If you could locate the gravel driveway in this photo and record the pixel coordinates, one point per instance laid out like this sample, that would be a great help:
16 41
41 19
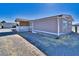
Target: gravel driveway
15 45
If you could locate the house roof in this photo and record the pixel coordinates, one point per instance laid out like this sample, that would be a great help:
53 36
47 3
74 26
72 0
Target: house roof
68 17
20 19
77 24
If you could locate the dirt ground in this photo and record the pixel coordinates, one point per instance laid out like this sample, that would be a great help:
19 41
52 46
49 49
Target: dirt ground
15 45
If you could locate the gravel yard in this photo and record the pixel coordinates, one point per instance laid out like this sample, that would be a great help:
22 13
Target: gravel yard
66 45
15 45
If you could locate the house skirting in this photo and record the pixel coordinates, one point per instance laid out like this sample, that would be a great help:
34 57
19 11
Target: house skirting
38 31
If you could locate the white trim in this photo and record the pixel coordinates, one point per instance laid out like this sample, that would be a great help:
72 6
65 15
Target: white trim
35 31
58 26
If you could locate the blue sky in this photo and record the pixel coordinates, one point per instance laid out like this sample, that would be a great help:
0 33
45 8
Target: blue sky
9 11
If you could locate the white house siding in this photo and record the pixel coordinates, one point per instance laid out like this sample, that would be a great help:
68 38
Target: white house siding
5 30
69 26
48 25
77 29
52 25
73 28
22 28
0 26
9 25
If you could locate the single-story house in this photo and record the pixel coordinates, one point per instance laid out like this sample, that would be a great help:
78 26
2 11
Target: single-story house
75 27
8 25
59 24
0 25
22 24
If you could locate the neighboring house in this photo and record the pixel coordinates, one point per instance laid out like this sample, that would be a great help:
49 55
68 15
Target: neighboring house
22 24
9 25
75 27
0 25
59 24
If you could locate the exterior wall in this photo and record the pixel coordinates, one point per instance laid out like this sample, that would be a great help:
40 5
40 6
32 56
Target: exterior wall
45 25
75 28
22 28
60 26
69 29
8 25
69 26
5 30
0 26
52 25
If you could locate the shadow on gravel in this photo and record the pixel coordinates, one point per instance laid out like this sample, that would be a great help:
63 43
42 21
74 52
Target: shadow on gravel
66 45
7 33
